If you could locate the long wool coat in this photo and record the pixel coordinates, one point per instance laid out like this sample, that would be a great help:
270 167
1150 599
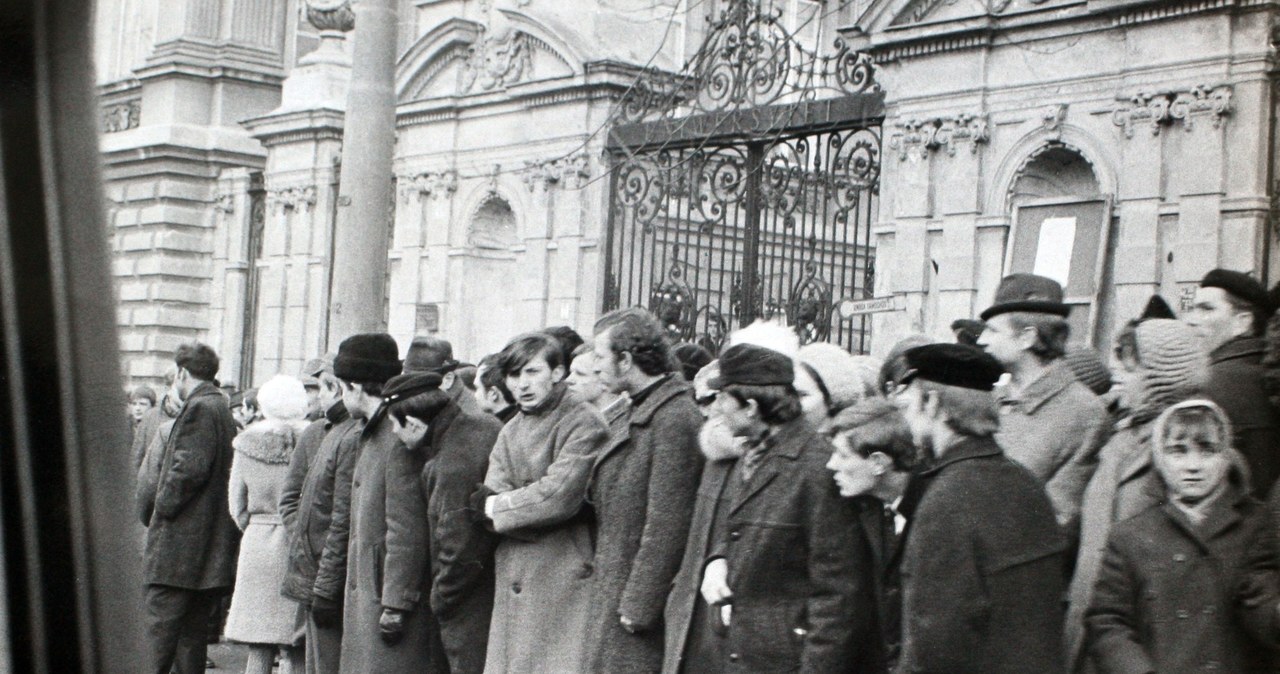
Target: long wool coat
540 467
191 540
1236 383
319 474
798 572
643 492
259 613
1168 597
457 458
387 557
982 569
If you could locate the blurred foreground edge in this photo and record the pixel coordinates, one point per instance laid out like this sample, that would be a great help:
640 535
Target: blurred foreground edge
71 598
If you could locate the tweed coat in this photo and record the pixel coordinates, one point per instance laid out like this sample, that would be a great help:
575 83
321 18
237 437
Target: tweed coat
1169 596
539 468
387 556
191 540
319 474
1055 427
461 596
682 602
1236 383
798 572
259 613
982 569
643 491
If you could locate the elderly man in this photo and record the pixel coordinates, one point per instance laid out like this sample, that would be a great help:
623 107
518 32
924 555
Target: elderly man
1230 311
435 354
1049 421
982 566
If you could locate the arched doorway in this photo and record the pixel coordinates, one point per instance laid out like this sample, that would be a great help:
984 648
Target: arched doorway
1061 229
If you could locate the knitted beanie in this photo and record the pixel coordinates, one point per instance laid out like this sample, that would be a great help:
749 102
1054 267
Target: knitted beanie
1174 364
1087 366
836 373
283 397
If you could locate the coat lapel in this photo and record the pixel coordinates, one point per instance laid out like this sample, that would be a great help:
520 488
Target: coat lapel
764 474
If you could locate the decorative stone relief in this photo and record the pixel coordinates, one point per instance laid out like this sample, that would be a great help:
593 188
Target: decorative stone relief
1155 110
335 15
922 136
1052 117
121 116
497 60
435 184
292 198
570 172
227 203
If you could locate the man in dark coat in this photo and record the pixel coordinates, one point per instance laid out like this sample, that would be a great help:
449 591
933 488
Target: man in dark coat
455 446
786 571
982 567
320 474
192 542
1230 311
642 489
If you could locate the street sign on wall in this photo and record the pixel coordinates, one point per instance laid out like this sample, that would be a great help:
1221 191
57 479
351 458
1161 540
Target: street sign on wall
875 305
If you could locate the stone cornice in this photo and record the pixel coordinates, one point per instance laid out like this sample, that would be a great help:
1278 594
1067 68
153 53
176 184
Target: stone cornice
199 68
1153 111
602 85
434 184
296 126
920 137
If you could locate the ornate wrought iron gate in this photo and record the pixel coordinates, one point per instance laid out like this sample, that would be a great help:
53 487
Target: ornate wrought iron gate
740 192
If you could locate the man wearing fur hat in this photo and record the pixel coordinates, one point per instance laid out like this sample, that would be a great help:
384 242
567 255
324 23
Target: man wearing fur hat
1049 421
435 354
982 563
1230 311
320 472
190 558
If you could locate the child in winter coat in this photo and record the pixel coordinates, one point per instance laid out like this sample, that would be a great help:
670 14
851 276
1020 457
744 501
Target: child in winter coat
1189 584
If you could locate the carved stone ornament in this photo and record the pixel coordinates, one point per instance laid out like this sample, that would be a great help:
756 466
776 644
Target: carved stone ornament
919 137
293 198
498 60
1153 111
570 172
121 116
1052 117
333 15
434 184
227 203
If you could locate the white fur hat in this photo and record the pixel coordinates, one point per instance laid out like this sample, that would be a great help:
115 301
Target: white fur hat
283 398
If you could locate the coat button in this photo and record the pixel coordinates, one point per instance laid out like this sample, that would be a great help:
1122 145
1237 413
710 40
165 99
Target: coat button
735 535
515 587
1208 610
355 483
1183 614
734 657
1179 558
1212 665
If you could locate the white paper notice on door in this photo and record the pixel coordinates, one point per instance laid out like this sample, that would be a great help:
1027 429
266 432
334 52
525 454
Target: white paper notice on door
1053 250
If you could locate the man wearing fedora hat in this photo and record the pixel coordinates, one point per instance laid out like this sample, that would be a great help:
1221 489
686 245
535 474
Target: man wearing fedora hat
435 354
1230 310
983 557
1049 422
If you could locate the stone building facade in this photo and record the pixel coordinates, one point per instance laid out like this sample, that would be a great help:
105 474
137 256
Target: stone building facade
1124 146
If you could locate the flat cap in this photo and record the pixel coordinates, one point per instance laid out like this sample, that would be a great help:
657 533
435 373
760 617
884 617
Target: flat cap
1029 293
753 365
408 385
952 365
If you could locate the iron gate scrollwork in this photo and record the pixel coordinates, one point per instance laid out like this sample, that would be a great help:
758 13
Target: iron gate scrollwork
745 187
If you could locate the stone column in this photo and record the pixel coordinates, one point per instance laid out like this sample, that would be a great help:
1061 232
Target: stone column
365 192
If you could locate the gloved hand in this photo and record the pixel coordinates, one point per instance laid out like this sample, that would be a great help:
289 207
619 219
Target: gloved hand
391 626
326 612
478 497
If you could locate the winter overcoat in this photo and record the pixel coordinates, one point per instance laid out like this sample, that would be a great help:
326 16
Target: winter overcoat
1169 598
798 571
643 492
259 613
191 540
539 468
682 603
1236 383
885 547
982 569
319 474
457 458
387 557
1055 427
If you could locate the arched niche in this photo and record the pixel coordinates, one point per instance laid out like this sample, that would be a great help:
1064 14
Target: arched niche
1056 172
493 225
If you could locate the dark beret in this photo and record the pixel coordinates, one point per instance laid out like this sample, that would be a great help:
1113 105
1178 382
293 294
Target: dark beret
1029 293
1240 285
408 385
369 357
753 365
952 365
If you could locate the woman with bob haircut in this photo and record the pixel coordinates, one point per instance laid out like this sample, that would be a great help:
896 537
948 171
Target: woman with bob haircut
533 497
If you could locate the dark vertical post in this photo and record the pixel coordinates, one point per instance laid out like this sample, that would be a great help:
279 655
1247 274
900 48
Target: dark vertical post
751 244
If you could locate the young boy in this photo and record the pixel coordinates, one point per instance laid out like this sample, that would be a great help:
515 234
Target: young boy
1189 584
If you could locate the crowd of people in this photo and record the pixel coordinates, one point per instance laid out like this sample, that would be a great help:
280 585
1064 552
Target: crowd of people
1001 503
